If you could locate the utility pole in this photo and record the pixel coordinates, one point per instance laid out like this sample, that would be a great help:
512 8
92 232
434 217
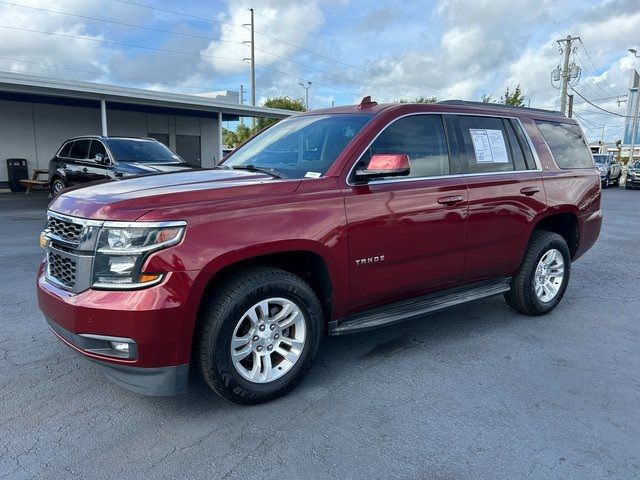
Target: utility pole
306 93
567 70
252 42
570 106
634 96
241 102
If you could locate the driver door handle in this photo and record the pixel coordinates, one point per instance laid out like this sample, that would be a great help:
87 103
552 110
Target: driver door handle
450 200
529 190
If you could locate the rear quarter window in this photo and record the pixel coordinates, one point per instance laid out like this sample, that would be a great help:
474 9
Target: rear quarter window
567 144
64 151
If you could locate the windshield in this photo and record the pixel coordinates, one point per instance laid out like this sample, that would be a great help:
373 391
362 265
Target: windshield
141 151
299 147
636 165
600 158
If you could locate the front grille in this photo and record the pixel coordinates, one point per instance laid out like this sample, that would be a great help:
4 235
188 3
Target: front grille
62 269
64 229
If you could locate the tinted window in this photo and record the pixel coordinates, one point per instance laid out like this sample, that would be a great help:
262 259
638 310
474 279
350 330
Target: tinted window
566 144
297 147
64 153
524 145
421 138
143 151
97 148
487 145
80 149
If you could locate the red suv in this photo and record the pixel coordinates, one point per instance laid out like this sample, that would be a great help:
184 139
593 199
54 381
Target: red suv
330 222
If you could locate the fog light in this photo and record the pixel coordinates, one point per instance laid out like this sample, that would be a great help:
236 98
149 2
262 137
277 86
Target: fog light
120 347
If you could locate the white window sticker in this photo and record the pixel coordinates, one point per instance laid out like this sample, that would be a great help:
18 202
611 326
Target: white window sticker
489 145
312 175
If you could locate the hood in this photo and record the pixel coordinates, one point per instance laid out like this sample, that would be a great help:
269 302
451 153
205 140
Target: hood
134 168
130 198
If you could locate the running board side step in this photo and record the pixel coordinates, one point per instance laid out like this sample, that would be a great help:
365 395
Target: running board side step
415 307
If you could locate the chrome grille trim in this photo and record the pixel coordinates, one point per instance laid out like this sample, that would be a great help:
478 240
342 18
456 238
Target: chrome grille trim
71 244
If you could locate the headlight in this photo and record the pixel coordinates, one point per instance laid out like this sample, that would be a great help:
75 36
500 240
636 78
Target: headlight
602 168
123 248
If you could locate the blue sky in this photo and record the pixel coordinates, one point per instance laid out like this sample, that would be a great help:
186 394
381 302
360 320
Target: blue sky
347 49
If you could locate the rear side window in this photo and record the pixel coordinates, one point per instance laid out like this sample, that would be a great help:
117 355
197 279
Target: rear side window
567 144
97 148
422 138
80 149
488 144
64 152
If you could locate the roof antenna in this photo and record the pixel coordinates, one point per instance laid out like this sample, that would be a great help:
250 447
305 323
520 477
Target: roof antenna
367 103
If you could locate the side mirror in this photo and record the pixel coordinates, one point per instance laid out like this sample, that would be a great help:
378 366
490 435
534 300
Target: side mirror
101 159
385 165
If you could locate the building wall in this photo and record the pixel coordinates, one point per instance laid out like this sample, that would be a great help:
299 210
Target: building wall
35 131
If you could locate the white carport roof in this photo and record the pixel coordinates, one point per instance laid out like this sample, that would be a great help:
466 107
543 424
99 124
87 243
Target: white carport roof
62 88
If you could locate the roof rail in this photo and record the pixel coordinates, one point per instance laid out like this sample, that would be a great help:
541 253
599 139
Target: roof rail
496 105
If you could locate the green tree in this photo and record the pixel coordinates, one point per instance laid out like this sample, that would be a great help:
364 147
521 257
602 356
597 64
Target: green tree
284 103
421 99
234 138
515 98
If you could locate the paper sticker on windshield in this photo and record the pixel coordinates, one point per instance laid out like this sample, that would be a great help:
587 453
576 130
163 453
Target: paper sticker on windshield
312 175
489 145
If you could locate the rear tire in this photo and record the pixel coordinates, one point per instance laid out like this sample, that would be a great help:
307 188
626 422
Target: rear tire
243 324
537 288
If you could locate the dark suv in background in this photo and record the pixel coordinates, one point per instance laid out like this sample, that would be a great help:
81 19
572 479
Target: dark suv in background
633 175
610 170
91 158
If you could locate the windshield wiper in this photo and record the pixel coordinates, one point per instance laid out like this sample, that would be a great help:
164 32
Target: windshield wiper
253 168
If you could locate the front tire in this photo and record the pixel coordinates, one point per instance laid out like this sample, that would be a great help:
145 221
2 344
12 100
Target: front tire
259 335
605 182
540 282
57 186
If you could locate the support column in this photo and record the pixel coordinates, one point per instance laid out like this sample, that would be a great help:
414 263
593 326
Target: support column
103 116
220 139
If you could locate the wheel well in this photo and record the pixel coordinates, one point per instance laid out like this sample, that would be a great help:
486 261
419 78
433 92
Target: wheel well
307 265
564 224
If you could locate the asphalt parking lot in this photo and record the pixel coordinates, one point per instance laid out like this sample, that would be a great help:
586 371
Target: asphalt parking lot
476 392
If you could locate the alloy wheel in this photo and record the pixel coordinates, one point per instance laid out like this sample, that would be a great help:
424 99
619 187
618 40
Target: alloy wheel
268 340
549 275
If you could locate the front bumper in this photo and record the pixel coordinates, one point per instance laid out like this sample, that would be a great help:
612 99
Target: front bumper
158 381
635 180
158 321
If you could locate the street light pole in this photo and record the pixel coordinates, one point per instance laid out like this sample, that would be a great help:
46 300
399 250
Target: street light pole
635 107
252 42
306 93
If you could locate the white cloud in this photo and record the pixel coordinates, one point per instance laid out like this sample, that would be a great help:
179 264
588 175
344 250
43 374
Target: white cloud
272 22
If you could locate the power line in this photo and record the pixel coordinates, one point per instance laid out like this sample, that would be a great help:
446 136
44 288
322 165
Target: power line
174 12
111 42
598 107
601 91
124 24
195 88
596 68
86 17
284 42
178 52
